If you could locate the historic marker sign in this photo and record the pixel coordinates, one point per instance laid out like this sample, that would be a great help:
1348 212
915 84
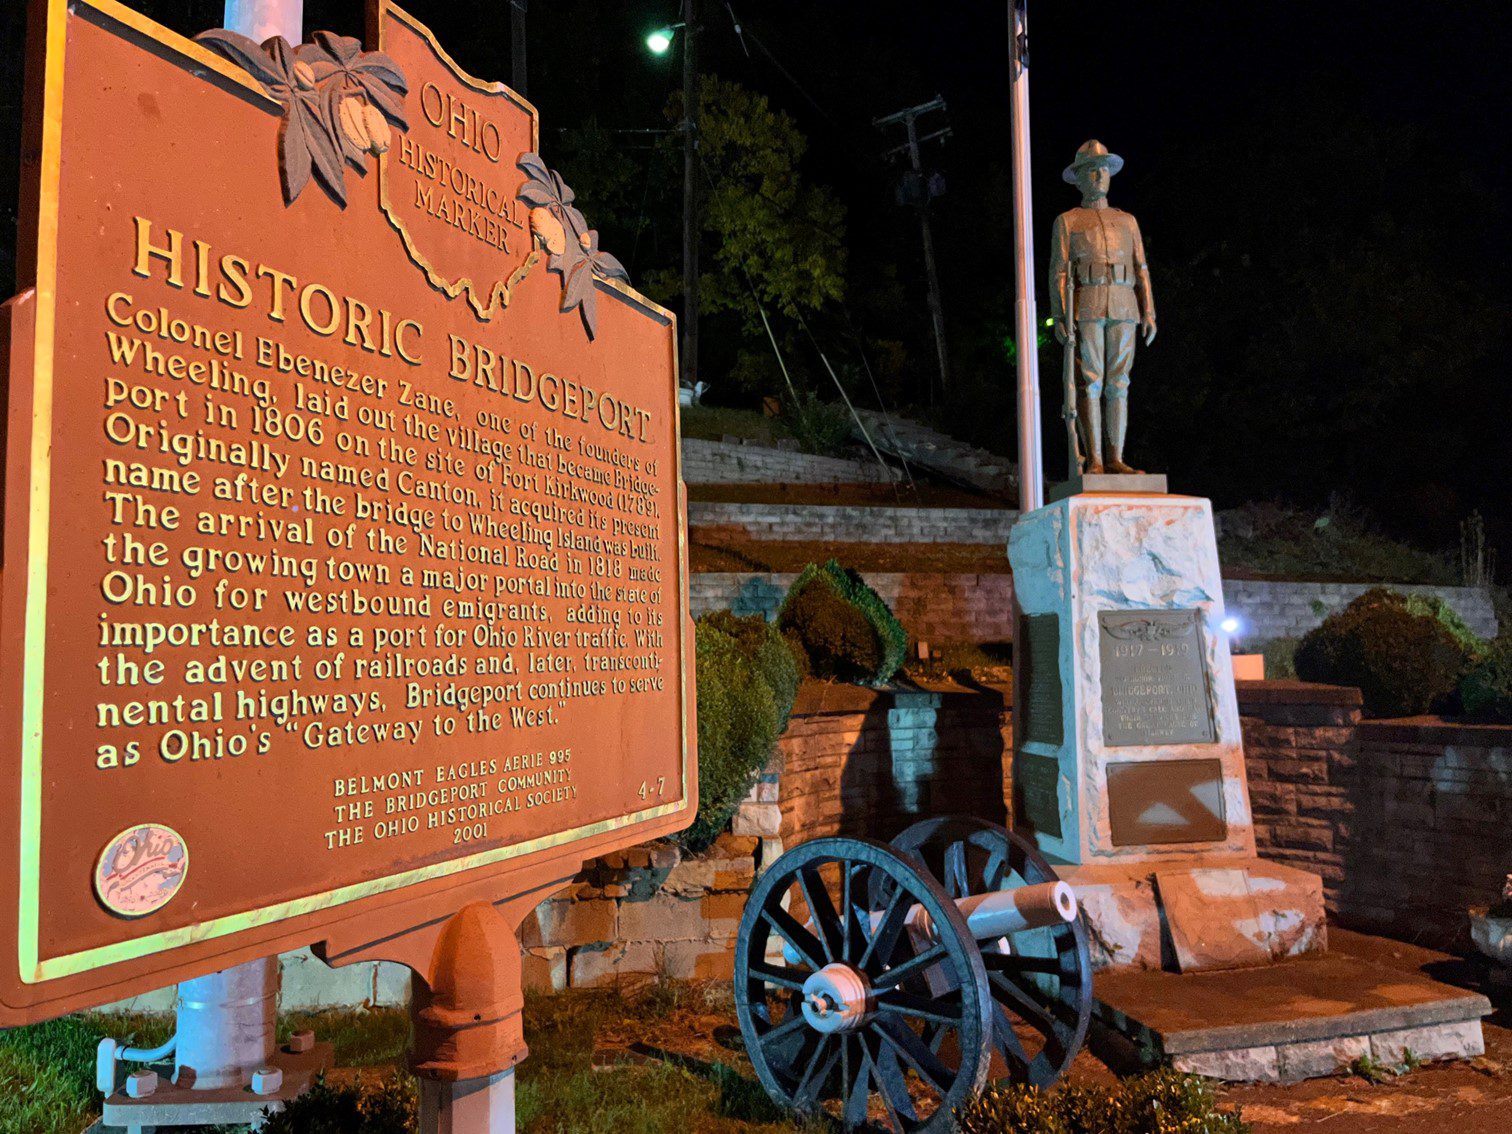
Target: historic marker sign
343 549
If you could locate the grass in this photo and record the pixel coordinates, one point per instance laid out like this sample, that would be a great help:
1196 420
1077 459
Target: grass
714 423
559 1092
991 660
1337 545
47 1070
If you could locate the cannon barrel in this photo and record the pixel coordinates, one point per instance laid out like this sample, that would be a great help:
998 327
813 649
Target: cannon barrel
1001 912
992 915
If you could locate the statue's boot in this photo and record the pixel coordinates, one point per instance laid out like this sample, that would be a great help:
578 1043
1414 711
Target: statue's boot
1118 426
1089 419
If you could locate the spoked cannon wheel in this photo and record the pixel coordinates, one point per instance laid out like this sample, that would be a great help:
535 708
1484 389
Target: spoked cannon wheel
1040 980
847 1009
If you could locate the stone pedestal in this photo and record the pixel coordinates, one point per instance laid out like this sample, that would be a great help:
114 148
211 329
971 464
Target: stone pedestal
1128 763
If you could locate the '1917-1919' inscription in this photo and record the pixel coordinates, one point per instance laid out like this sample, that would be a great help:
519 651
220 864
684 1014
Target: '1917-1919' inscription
1154 682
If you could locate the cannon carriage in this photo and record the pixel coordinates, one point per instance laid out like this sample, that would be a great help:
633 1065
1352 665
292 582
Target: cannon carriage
884 984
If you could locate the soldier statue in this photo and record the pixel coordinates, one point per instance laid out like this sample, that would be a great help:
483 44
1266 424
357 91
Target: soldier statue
1100 298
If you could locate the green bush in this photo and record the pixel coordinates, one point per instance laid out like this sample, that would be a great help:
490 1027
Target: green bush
1431 606
842 625
390 1106
769 652
746 681
1281 658
820 427
1403 660
1162 1102
1486 689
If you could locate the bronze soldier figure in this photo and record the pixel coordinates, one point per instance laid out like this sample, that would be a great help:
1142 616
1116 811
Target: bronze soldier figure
1100 307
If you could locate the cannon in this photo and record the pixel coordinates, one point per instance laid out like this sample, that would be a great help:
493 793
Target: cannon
883 984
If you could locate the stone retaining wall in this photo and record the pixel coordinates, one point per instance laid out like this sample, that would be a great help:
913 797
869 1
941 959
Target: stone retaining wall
869 762
719 462
1407 821
977 608
933 607
640 915
842 523
1269 610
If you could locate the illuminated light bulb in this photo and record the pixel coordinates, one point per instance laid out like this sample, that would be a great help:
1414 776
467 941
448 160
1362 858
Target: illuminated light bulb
659 41
1229 626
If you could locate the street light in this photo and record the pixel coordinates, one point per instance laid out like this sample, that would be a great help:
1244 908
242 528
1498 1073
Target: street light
659 42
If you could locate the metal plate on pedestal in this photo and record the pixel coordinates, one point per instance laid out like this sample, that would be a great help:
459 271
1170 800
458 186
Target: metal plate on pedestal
1039 670
1154 681
1166 801
1036 794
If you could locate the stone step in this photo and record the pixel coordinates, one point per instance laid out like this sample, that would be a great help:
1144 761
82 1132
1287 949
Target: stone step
1304 1018
935 452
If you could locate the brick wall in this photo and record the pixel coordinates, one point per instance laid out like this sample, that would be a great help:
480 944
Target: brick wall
869 762
1407 821
719 462
856 523
1271 610
933 607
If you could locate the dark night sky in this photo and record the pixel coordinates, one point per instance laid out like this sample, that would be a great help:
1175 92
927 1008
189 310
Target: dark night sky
1393 109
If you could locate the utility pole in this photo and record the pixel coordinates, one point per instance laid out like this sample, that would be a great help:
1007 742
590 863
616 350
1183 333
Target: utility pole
1031 459
918 190
517 10
690 195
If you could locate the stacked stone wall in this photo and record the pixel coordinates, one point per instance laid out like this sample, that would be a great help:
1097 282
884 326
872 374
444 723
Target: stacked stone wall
978 608
842 523
1269 610
720 462
648 913
1406 821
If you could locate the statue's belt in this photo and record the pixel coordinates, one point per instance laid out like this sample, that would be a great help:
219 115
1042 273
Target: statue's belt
1104 275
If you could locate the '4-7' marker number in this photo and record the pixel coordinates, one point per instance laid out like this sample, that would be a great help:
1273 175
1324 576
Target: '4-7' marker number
661 785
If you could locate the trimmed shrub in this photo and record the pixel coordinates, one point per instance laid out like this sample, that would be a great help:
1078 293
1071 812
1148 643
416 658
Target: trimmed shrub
1162 1102
1486 689
1403 661
1431 606
1280 658
746 681
768 650
843 627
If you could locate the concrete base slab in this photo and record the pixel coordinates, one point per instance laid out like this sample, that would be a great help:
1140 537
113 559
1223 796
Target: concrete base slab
171 1106
1152 483
1303 1018
1190 915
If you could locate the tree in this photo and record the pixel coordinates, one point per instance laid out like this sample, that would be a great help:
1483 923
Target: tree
772 232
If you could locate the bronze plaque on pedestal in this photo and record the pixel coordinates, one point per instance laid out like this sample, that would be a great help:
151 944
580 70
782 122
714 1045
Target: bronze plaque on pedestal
1036 794
1154 682
1039 669
1166 801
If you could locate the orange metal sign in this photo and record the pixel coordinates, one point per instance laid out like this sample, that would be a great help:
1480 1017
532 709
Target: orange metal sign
344 570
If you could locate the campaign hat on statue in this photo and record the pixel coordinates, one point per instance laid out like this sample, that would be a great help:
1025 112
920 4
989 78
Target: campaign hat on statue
1091 153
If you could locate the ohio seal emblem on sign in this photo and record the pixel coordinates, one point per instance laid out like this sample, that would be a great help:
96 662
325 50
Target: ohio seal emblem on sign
141 869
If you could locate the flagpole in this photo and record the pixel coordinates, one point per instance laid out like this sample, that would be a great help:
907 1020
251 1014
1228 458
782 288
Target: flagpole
1030 457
